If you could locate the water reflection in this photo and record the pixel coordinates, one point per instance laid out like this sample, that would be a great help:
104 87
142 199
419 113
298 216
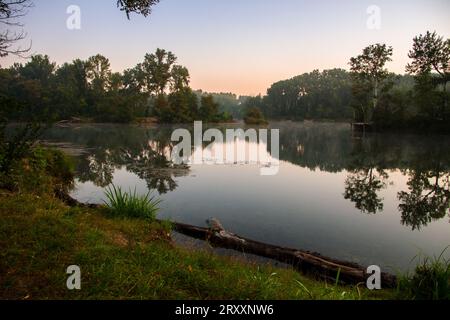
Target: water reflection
146 154
367 163
427 198
362 188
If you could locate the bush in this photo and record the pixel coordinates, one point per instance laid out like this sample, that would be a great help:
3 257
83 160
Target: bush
16 143
131 205
431 281
41 171
254 116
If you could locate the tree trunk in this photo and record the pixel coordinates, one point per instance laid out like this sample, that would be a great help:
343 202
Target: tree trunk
305 261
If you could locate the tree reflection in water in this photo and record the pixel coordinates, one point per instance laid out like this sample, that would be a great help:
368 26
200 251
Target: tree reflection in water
362 187
147 156
369 161
428 197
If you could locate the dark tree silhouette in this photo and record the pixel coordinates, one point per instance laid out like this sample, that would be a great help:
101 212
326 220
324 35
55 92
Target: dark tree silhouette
369 68
431 66
428 198
11 11
143 7
362 187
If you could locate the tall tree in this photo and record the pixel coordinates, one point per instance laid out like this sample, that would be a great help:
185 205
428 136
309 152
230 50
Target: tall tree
180 78
369 68
38 68
157 69
98 70
431 53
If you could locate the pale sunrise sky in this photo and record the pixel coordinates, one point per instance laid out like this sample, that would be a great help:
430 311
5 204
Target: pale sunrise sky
239 46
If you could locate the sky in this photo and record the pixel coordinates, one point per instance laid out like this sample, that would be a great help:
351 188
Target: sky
239 46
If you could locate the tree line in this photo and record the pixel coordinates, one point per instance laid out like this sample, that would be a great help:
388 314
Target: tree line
369 93
157 87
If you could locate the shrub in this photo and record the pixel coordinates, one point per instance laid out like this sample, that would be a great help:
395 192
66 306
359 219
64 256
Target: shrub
131 205
41 171
16 143
254 116
431 280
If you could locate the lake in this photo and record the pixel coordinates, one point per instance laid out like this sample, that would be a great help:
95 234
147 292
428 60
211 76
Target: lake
380 199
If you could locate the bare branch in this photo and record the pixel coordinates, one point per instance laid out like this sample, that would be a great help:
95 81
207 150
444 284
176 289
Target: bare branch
11 11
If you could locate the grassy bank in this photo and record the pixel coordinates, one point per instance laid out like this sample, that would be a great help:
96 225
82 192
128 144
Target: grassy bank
124 258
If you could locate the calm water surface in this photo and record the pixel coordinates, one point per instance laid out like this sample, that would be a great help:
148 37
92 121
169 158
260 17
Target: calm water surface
381 199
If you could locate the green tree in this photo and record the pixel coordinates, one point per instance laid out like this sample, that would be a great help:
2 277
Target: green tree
254 115
98 71
209 109
183 106
33 88
431 54
39 68
157 71
180 78
70 96
368 70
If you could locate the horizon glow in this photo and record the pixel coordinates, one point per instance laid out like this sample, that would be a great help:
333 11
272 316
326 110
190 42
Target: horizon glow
233 46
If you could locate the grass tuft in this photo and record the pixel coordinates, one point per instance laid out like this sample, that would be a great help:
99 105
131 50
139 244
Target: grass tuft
130 204
431 280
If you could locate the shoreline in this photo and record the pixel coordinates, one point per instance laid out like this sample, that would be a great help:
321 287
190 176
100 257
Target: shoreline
305 261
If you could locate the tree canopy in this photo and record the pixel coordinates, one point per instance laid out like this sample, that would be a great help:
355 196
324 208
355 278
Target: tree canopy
157 88
143 7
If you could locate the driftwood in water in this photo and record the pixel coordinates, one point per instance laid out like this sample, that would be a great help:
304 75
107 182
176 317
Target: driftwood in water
308 262
305 261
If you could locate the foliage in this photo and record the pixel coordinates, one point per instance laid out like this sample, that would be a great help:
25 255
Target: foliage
89 89
143 7
431 66
229 103
369 93
425 200
131 205
254 116
430 52
362 187
159 88
41 171
368 71
18 145
431 280
315 95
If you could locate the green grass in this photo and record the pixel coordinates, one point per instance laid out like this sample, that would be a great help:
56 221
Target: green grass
430 281
130 204
129 258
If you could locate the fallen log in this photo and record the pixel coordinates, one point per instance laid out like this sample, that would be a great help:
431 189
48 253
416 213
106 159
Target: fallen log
304 261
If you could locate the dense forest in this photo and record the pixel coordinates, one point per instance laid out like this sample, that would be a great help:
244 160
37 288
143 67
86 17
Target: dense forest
317 95
369 93
157 87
